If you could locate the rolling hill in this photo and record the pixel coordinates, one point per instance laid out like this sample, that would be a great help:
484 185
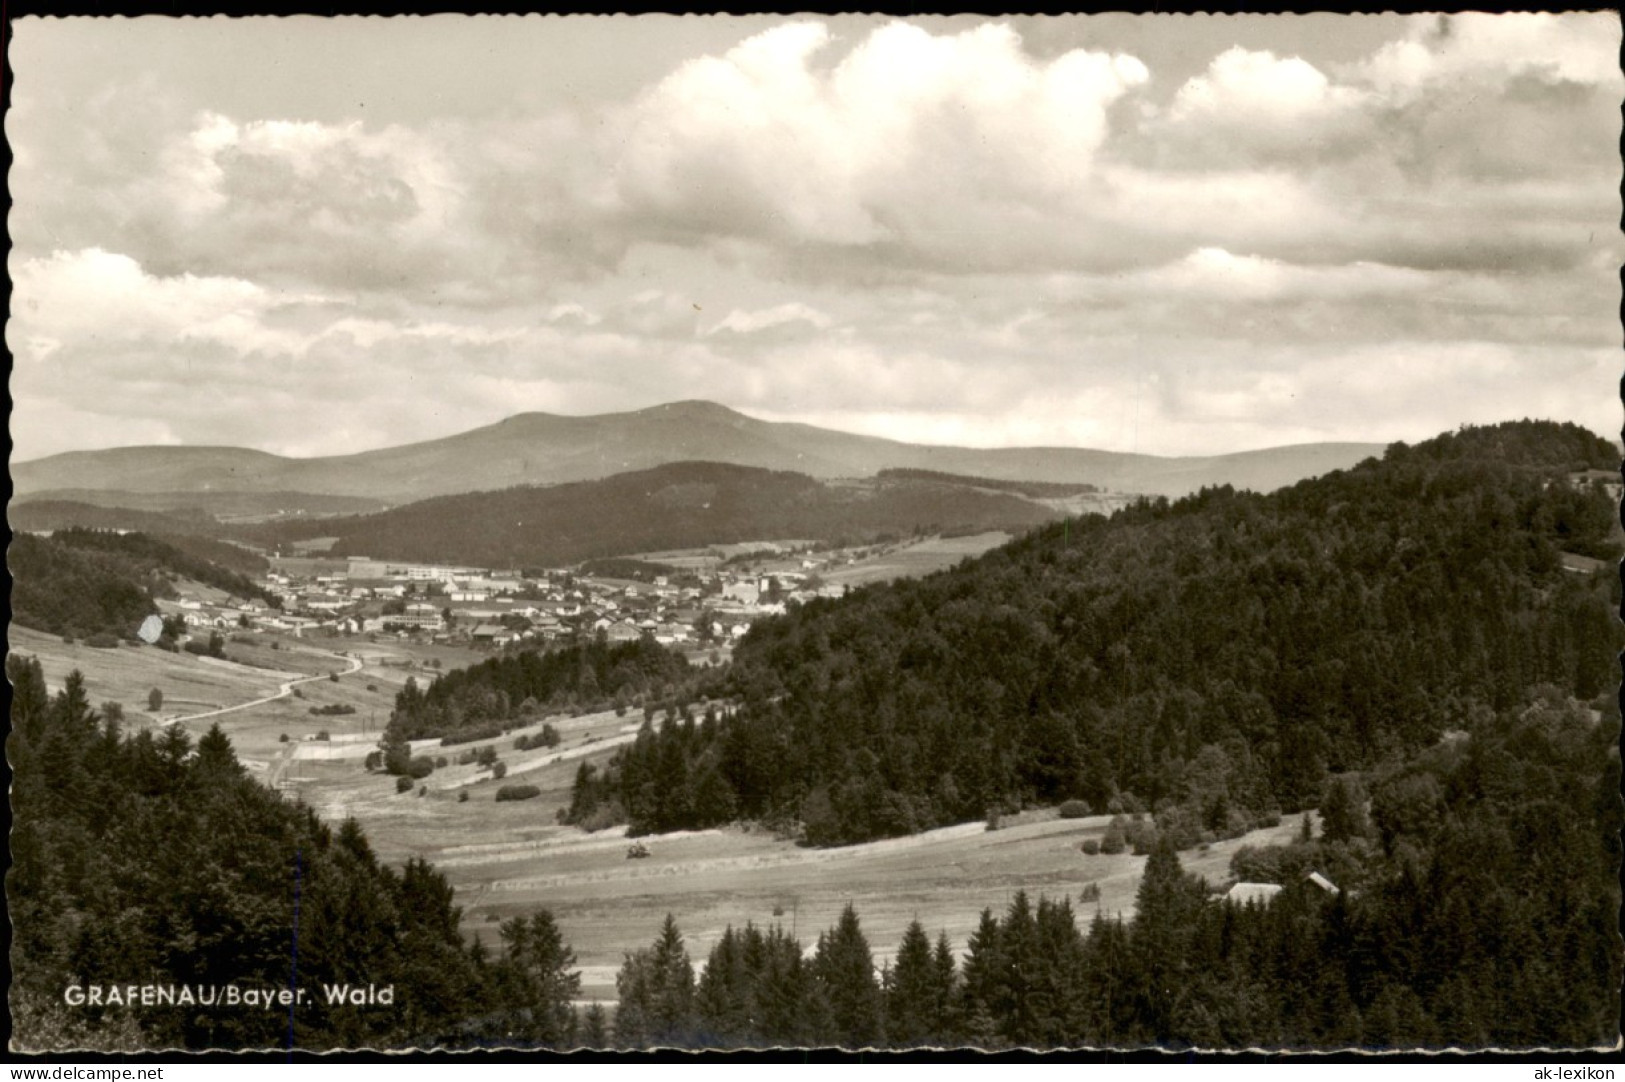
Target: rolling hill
541 448
97 583
672 506
1226 653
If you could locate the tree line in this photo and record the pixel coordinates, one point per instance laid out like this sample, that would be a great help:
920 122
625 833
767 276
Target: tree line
485 699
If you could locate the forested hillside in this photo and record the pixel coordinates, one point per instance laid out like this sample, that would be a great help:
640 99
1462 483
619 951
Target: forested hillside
151 860
91 582
1212 660
44 516
684 505
1474 906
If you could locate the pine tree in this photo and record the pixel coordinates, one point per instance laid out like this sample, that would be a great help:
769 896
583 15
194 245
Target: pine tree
1166 912
594 1027
1014 1001
846 973
983 981
945 988
656 987
215 756
726 989
541 980
912 999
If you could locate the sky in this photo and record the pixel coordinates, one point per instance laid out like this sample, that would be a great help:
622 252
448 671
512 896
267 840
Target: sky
1166 234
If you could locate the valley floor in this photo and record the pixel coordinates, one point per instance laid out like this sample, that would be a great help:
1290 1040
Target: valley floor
507 859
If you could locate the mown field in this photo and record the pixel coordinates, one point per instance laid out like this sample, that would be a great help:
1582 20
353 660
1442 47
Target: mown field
127 674
510 858
913 561
507 859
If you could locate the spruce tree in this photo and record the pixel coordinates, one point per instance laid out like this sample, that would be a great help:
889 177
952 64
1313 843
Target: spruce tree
846 973
912 999
656 987
541 978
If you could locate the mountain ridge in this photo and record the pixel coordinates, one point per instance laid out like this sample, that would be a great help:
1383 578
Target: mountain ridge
543 448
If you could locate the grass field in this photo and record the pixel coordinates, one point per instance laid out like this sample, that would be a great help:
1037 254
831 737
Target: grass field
913 561
126 675
511 858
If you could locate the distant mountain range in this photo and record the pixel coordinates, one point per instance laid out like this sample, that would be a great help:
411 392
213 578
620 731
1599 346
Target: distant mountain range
545 449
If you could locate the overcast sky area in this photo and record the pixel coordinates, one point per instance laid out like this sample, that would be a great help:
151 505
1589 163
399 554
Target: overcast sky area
1165 234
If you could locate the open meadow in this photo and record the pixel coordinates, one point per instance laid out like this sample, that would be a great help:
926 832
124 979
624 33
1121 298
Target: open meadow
509 858
914 561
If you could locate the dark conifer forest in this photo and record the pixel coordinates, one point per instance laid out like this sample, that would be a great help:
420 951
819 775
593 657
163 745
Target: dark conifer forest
675 506
1212 660
153 860
1472 901
497 693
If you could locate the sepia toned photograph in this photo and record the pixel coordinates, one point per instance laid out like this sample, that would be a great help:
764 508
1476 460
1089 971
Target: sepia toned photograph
589 533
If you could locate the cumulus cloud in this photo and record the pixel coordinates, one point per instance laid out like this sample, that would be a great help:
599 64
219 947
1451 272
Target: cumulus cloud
108 298
909 142
938 231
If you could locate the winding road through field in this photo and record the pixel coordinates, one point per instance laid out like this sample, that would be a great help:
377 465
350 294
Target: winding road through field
287 689
279 768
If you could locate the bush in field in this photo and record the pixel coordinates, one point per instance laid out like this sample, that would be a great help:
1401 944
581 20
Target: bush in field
419 767
1090 847
1115 839
1180 823
155 700
403 784
465 736
1142 837
102 641
439 762
1074 809
499 770
547 738
517 792
462 796
603 817
374 760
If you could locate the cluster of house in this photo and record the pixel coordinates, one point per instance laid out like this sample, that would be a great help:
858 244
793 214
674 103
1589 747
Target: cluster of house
484 607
